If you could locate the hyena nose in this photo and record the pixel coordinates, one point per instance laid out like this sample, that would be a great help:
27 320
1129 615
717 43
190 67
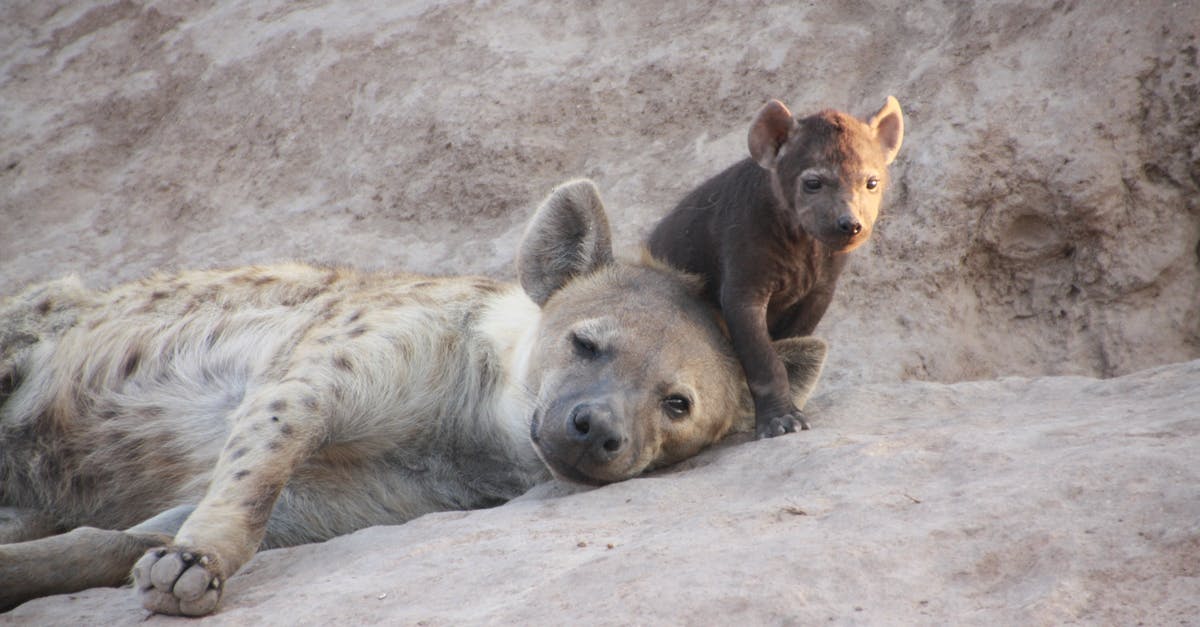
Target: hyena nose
595 426
849 225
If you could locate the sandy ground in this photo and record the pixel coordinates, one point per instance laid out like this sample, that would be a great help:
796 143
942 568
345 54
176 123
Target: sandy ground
1043 222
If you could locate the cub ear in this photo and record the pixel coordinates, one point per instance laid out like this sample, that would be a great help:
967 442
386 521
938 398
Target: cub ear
804 357
888 125
567 237
769 132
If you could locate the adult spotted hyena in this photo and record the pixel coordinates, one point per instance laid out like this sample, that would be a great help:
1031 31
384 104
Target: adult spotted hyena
272 406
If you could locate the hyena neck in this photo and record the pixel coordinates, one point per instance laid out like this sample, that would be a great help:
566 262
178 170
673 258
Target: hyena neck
509 324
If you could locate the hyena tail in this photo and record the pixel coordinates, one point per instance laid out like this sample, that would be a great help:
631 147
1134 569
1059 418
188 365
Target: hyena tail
41 312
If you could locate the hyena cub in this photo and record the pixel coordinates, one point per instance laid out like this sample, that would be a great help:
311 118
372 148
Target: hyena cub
271 406
771 234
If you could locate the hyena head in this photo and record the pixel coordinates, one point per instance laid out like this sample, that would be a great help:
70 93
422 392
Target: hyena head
630 366
828 170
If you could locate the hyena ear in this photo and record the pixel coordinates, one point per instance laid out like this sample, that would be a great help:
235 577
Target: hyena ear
769 132
803 357
888 125
568 237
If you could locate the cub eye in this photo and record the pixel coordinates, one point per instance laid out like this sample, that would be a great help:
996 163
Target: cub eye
872 183
677 406
812 185
583 346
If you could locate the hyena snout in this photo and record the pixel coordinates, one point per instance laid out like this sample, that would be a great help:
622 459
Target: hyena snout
847 224
595 427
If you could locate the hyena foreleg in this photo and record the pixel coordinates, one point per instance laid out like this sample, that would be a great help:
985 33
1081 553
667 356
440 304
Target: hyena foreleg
274 431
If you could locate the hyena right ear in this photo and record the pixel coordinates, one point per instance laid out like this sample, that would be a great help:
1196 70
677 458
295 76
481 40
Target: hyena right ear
804 357
888 125
567 237
769 132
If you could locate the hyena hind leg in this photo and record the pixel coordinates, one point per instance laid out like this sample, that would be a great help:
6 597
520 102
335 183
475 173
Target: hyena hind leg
20 525
80 559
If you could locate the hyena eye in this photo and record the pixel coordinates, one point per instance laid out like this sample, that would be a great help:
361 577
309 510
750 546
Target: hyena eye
583 346
812 185
677 406
872 183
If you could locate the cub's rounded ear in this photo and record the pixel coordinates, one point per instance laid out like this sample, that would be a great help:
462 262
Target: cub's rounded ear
770 131
888 125
567 237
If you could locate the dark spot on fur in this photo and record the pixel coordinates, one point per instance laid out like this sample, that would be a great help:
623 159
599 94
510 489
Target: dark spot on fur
152 411
422 285
131 364
274 418
241 474
45 306
310 402
354 316
302 297
265 280
213 336
10 380
357 331
278 405
325 340
337 392
159 294
285 429
343 363
329 278
107 414
274 445
238 454
487 287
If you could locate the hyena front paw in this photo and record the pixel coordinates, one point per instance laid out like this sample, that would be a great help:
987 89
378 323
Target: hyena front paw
781 424
177 581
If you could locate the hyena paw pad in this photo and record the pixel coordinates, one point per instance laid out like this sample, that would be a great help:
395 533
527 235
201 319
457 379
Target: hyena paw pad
177 582
779 425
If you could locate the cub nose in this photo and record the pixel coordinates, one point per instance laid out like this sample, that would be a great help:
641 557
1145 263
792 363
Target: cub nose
595 425
849 225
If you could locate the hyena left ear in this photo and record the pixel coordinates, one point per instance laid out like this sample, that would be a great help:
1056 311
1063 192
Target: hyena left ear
888 125
769 132
567 237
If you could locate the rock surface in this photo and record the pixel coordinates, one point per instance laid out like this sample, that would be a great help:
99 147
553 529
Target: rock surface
1019 501
1043 221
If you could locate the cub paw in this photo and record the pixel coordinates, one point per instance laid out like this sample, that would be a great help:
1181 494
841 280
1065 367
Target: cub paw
781 424
177 582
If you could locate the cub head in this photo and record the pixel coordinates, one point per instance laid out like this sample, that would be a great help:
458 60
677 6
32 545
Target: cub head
828 170
631 368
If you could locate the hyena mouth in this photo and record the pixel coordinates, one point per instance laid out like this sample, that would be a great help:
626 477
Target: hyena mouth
560 467
842 242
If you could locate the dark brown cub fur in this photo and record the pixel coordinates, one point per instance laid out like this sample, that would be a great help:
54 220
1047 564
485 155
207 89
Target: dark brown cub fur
771 233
